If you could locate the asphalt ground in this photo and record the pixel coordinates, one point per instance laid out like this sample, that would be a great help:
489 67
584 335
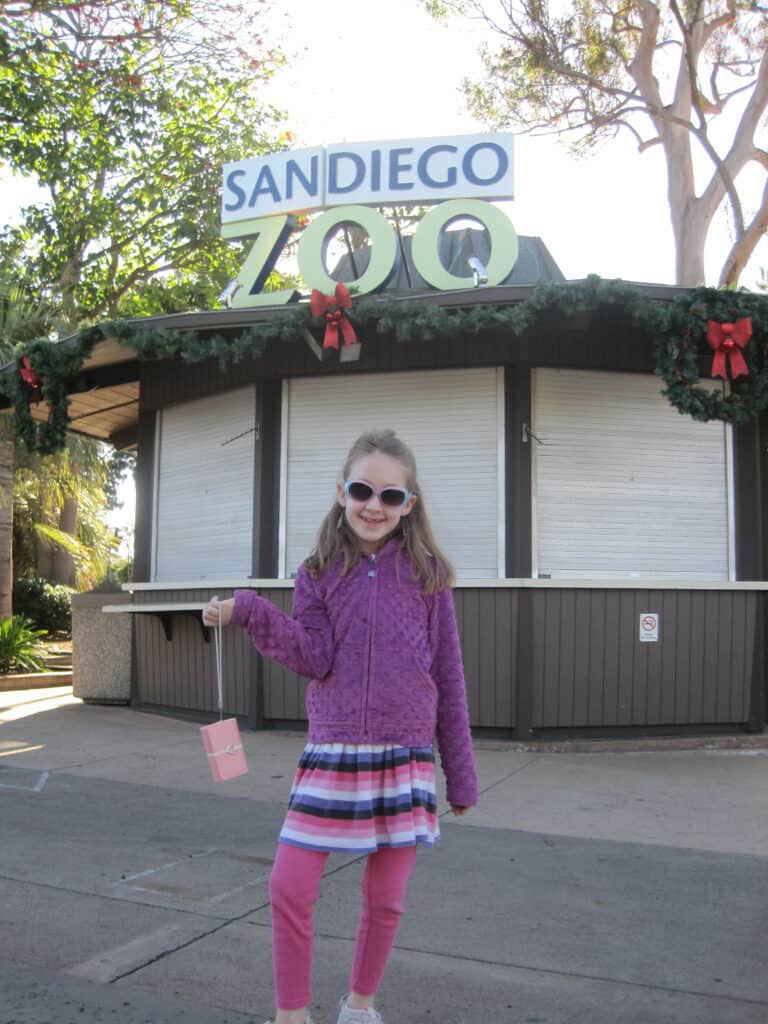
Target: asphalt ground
593 884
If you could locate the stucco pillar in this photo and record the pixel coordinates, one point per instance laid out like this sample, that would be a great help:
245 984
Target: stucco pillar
101 649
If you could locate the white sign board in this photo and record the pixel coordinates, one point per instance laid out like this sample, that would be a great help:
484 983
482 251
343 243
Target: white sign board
369 173
649 627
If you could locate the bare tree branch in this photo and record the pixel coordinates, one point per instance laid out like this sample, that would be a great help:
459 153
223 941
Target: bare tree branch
590 68
742 145
743 247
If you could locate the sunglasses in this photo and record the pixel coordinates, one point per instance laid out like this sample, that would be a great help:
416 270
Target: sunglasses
394 497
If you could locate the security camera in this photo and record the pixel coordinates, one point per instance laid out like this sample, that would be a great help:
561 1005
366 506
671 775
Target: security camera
479 273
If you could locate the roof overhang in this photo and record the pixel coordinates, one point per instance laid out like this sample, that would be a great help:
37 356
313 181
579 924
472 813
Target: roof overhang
104 401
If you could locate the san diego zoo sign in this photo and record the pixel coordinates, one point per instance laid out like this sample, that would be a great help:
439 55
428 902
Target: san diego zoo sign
262 196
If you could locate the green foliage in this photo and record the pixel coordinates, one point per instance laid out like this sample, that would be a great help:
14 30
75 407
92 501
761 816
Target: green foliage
563 67
48 605
119 572
576 66
20 645
400 321
78 473
21 318
119 465
685 358
113 109
175 294
436 8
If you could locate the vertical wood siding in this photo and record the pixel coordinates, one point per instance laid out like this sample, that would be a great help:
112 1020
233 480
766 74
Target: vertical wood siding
181 673
284 691
587 666
487 622
590 668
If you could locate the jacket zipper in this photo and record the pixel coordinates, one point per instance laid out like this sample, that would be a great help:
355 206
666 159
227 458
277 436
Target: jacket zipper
371 575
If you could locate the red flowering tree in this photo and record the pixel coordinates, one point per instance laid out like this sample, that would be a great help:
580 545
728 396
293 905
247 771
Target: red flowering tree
124 112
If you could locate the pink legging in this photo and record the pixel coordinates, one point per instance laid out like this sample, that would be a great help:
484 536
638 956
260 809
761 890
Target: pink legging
293 887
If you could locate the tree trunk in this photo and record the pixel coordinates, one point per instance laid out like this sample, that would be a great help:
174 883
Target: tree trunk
690 238
63 563
44 558
6 532
688 215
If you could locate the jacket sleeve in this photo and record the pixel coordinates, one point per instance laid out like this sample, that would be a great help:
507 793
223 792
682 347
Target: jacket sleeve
454 739
303 641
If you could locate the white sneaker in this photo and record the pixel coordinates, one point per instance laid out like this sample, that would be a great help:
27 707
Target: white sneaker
347 1015
307 1020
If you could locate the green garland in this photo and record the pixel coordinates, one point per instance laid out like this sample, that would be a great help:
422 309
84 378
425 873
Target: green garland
679 328
684 357
414 321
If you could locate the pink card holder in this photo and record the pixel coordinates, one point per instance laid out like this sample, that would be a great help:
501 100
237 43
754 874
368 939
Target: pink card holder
221 739
224 749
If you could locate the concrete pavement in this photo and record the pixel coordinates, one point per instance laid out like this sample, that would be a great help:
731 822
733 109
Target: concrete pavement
606 885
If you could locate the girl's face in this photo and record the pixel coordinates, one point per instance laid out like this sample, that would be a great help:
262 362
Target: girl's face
372 521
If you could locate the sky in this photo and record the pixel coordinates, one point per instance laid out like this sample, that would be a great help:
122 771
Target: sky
367 71
360 70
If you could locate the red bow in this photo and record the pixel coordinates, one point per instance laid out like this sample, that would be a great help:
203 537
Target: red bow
32 380
335 318
726 340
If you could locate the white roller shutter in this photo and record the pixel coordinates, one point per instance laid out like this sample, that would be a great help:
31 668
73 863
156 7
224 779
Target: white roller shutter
453 421
624 485
204 488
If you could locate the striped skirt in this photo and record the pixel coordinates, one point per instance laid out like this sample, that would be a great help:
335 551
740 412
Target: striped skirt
355 798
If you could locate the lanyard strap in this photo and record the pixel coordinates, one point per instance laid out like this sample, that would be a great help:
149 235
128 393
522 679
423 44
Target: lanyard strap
219 662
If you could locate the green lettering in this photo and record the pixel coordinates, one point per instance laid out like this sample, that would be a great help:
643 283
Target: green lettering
504 244
270 234
313 246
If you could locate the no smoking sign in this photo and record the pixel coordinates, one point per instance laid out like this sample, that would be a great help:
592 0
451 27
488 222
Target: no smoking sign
649 627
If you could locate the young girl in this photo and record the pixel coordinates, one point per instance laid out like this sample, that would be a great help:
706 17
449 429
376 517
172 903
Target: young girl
374 628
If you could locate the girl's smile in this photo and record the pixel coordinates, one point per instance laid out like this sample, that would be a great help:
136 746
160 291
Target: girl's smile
370 519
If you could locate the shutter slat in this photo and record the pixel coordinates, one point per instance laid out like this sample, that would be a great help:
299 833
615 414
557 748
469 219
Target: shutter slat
625 486
448 417
205 488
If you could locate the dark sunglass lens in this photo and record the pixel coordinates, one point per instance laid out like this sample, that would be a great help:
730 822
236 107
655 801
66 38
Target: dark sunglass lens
393 496
359 491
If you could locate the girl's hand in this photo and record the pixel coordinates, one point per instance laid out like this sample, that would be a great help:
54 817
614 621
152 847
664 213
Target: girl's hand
216 608
457 810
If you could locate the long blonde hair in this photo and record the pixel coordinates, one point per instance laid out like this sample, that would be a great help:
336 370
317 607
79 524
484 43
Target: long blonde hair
335 538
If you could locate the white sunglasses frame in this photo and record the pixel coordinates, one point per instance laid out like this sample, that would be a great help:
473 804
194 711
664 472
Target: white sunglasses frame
403 490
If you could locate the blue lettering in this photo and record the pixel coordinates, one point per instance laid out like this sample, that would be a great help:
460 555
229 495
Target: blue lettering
469 173
265 183
376 170
235 189
310 185
334 188
424 174
396 168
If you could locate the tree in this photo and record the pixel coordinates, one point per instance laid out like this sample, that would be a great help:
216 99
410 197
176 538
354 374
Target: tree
58 502
178 33
20 320
6 491
125 111
675 75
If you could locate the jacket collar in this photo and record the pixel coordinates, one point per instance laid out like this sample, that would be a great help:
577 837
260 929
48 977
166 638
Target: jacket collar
386 552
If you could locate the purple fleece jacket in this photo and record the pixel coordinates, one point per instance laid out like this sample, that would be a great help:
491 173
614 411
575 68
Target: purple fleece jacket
383 658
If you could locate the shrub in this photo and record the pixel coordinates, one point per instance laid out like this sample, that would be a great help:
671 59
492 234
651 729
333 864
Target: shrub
20 645
48 605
